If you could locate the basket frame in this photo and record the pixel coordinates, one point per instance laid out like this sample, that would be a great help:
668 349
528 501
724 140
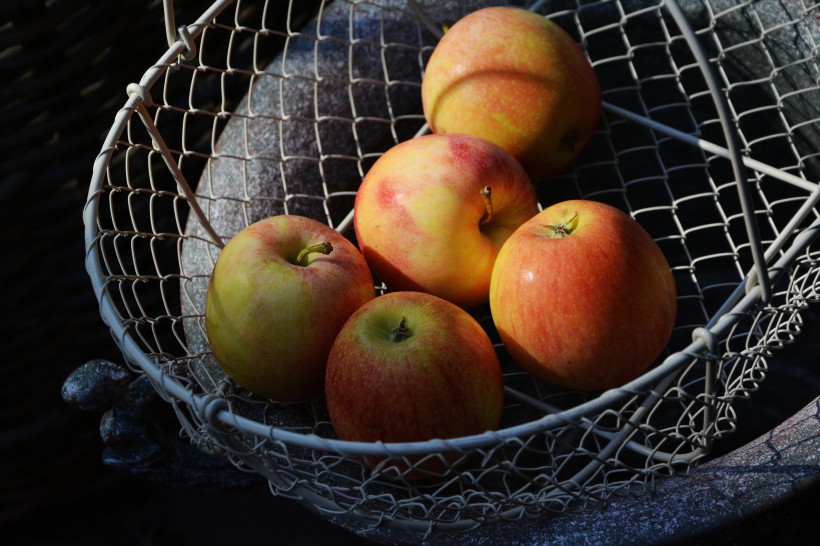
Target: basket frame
213 411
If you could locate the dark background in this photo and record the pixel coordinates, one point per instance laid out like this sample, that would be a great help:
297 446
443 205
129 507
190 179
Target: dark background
65 69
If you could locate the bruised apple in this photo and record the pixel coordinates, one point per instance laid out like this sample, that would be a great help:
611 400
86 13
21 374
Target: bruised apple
410 366
517 79
279 293
583 297
432 213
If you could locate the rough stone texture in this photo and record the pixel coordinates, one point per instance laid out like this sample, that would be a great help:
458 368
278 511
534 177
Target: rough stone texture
96 385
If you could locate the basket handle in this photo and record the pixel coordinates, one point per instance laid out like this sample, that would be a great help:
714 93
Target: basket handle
141 97
174 33
760 272
170 24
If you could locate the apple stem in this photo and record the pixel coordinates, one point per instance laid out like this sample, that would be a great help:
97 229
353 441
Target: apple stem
563 229
324 248
401 332
486 194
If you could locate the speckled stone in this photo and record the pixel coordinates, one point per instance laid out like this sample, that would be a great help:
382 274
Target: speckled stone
96 385
140 401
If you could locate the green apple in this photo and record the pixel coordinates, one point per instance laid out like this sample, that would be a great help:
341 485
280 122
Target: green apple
280 291
517 79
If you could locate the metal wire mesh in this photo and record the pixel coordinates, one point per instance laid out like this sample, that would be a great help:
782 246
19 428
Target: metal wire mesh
271 109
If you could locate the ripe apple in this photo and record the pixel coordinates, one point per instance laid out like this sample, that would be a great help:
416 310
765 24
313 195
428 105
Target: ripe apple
410 366
517 79
583 297
433 211
279 293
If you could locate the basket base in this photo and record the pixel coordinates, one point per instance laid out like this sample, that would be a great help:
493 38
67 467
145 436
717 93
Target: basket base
713 498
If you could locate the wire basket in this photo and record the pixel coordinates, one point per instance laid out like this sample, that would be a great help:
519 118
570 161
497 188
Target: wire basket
710 139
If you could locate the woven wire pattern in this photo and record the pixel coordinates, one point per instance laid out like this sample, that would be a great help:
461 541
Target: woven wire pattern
334 111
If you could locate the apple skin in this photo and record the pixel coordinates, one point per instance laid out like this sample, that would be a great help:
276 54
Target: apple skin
270 322
517 79
443 381
419 213
588 311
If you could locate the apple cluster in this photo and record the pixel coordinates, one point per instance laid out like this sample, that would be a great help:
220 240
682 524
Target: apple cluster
579 293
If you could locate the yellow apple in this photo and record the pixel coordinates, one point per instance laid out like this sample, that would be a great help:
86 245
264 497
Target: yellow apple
517 79
280 291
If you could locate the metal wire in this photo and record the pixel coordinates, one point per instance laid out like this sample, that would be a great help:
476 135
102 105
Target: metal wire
259 109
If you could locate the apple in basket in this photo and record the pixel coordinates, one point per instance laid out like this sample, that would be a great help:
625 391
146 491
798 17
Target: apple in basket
432 213
517 79
583 297
410 366
279 293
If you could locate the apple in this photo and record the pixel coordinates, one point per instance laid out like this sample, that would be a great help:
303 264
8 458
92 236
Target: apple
583 297
517 79
280 291
432 213
410 366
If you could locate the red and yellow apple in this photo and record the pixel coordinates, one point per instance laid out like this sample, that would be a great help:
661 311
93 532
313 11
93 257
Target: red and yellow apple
517 79
280 291
583 297
410 366
432 213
